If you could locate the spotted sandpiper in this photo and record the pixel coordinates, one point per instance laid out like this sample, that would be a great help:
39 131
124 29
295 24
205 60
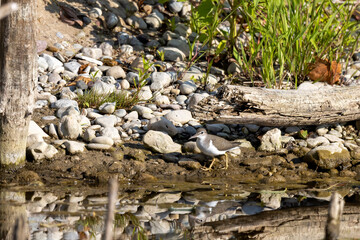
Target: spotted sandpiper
212 145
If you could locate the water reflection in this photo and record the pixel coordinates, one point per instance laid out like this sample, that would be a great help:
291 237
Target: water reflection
198 212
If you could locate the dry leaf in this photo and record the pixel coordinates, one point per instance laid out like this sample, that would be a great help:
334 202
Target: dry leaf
82 68
69 16
80 78
110 62
323 71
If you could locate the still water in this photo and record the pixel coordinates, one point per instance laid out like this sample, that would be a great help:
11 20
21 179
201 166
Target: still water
179 210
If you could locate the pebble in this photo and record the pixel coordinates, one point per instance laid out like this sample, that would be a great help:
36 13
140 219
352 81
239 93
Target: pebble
98 146
103 140
106 121
107 108
188 87
179 116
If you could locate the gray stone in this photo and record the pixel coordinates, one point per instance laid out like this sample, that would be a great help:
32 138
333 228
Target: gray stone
131 124
175 7
172 54
314 142
328 156
94 53
336 133
103 88
106 121
116 72
160 142
41 150
180 44
136 22
191 147
132 77
182 30
107 108
252 127
292 129
70 127
74 147
217 127
111 20
110 132
72 66
189 164
103 140
271 140
188 87
162 124
234 68
153 21
123 38
196 98
98 146
64 103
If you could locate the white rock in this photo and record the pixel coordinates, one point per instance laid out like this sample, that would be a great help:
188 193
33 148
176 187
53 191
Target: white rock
74 147
162 124
271 140
172 54
103 88
41 150
141 110
106 121
70 127
98 146
179 116
33 138
89 134
110 132
103 140
35 129
107 108
52 62
160 142
188 87
314 142
161 99
133 115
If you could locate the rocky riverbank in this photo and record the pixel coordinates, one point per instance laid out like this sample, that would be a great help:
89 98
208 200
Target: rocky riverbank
69 139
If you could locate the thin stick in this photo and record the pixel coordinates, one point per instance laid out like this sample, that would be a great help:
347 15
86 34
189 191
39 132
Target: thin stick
7 8
109 221
334 217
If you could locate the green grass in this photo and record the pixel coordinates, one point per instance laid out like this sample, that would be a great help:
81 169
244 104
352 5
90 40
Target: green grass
283 37
122 99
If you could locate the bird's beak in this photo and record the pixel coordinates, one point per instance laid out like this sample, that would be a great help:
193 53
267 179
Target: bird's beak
194 136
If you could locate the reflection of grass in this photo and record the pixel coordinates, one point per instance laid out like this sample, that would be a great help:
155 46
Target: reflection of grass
122 99
93 224
123 220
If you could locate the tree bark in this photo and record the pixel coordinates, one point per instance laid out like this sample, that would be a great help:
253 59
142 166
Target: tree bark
270 107
17 81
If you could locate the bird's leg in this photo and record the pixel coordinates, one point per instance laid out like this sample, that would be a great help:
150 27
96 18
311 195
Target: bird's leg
209 168
226 162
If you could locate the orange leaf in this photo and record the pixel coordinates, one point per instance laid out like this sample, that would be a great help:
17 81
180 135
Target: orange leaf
323 71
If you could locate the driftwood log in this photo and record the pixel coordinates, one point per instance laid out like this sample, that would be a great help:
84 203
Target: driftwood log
271 107
291 223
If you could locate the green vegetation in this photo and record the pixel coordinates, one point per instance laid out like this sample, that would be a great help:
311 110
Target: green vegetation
280 40
122 99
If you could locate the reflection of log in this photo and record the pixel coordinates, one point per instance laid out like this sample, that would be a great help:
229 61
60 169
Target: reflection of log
336 207
292 223
270 107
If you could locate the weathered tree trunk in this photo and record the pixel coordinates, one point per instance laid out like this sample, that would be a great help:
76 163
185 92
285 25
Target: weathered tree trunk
291 223
270 107
17 81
